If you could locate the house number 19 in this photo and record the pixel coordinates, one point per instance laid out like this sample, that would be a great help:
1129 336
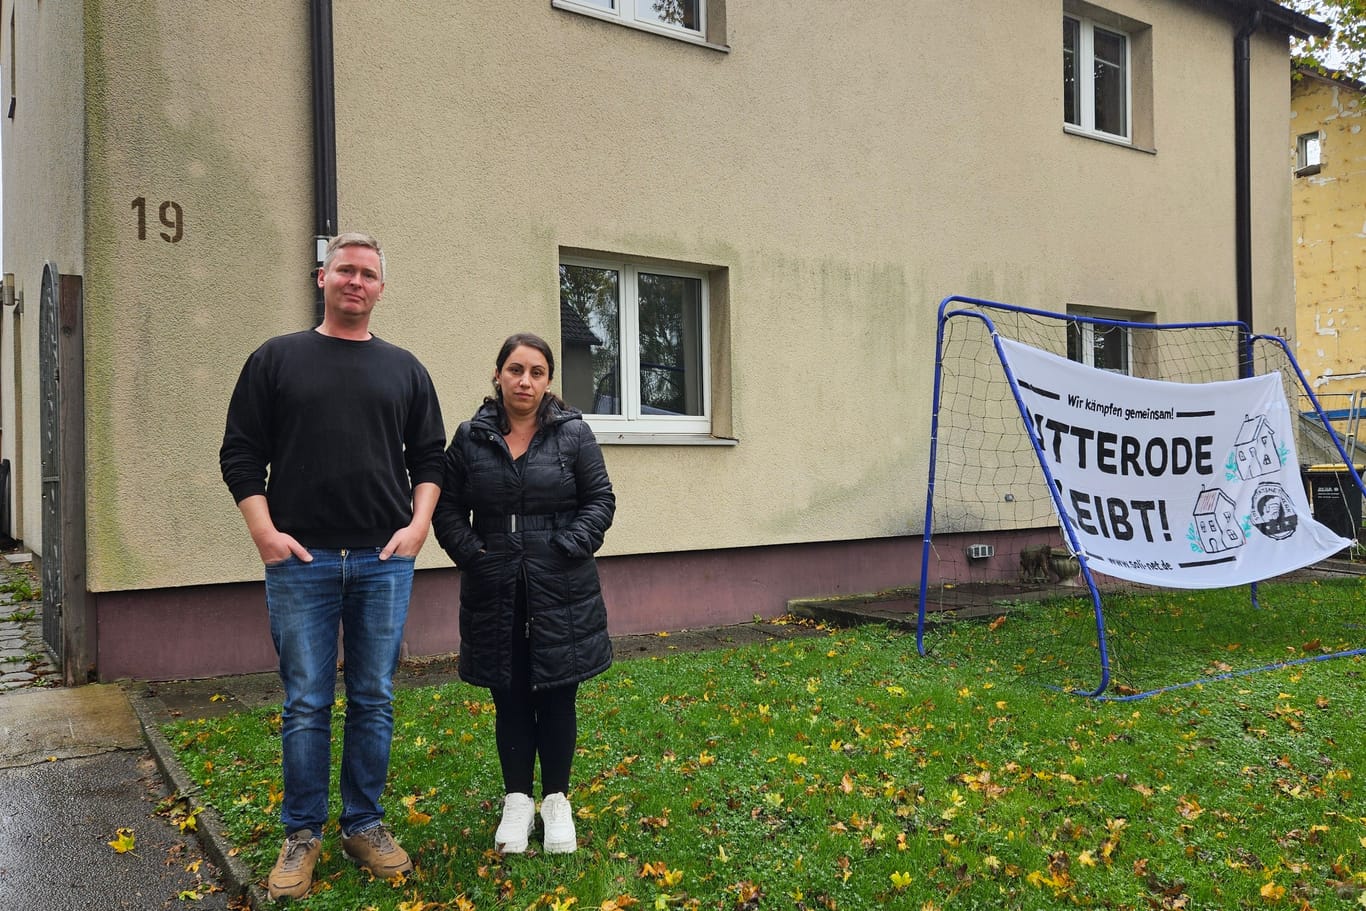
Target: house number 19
172 217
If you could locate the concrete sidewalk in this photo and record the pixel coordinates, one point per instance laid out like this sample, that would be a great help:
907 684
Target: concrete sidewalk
74 771
78 764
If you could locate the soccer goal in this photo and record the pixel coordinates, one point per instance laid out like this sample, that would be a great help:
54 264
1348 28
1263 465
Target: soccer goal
1124 506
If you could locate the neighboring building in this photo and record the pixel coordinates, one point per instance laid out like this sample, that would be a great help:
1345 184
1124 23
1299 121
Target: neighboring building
735 217
1328 156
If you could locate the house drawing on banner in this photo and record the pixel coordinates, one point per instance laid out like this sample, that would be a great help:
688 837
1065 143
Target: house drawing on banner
1255 446
1214 520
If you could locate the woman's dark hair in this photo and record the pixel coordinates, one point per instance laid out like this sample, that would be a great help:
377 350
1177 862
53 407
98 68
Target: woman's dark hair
551 400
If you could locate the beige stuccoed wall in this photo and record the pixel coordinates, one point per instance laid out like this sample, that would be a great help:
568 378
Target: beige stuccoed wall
844 170
207 106
1330 239
1273 259
43 187
848 178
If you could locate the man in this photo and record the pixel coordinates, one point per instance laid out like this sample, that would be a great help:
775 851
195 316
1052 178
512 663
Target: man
350 429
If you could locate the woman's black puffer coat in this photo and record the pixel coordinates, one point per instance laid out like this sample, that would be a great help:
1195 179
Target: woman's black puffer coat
541 524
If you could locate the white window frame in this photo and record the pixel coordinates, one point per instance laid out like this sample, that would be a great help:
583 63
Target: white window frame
631 421
1304 166
1085 70
1088 339
623 12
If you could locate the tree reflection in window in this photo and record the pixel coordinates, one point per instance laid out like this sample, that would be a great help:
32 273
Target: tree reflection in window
632 342
590 338
683 13
670 329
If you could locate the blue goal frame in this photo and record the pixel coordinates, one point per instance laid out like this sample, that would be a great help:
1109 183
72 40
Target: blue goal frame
948 309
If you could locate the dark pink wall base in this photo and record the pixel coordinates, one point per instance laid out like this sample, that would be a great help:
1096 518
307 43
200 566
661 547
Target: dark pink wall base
215 630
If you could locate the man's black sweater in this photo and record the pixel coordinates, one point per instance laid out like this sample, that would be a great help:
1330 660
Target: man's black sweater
347 430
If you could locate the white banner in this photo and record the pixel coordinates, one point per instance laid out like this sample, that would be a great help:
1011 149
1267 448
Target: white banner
1176 484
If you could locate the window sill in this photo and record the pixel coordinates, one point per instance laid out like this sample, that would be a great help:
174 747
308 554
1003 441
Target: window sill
662 31
1105 138
627 438
1308 170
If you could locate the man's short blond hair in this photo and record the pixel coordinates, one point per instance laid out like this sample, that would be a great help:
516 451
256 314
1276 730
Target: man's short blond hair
354 239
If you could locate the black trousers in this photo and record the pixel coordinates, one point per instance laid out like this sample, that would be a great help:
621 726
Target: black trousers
530 724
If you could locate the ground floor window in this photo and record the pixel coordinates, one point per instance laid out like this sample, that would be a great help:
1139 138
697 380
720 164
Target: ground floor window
1096 343
634 345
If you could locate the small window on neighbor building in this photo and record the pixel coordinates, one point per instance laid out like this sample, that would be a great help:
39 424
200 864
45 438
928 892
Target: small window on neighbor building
1308 154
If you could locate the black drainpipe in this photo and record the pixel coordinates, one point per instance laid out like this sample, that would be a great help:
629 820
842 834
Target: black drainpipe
324 140
1242 154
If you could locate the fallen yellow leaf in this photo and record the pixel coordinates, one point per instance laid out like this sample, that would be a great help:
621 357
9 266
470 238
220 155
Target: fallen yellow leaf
123 841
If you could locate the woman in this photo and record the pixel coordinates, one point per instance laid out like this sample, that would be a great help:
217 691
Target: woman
524 505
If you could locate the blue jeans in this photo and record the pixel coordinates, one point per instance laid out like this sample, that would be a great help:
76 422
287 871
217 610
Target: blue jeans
368 599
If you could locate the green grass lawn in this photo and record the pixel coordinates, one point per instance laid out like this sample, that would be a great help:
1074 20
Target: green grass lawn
1164 638
842 771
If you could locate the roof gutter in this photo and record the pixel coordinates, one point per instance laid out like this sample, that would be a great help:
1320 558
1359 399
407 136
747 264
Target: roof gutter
1261 13
324 140
1275 16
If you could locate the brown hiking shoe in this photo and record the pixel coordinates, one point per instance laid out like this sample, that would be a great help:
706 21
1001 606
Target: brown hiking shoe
292 874
375 850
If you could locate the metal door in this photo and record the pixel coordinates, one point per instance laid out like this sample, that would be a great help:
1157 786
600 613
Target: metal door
49 391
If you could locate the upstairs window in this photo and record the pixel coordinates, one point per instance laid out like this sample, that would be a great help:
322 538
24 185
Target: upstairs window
1095 78
676 16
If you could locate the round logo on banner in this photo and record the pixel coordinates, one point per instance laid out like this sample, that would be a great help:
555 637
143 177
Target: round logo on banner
1272 513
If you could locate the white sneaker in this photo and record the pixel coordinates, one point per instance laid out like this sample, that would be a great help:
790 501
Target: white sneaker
557 817
519 817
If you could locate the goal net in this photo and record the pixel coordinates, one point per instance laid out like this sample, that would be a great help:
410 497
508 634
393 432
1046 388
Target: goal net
1120 512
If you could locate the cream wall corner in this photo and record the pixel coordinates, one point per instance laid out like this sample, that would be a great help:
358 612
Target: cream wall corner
198 122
